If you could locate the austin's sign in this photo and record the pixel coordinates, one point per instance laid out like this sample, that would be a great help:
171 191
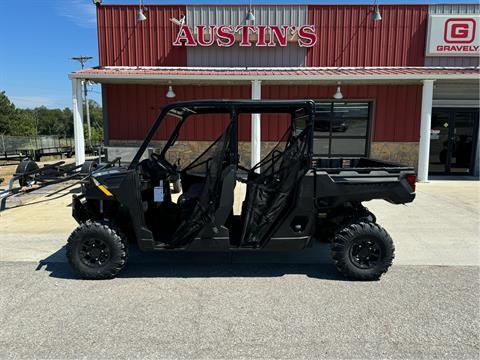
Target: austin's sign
246 35
453 35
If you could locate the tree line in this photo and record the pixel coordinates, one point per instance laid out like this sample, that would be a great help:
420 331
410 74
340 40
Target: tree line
43 121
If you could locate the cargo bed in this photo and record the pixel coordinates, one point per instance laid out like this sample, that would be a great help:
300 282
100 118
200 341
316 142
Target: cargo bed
340 180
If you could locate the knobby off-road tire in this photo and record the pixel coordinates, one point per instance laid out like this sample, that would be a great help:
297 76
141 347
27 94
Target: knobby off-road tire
363 250
96 250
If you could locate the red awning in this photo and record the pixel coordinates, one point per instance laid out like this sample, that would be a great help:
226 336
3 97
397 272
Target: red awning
280 71
105 74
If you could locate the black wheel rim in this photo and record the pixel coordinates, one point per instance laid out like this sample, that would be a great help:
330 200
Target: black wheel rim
365 253
94 253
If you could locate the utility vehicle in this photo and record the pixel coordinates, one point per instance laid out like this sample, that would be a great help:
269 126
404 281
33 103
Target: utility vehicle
291 196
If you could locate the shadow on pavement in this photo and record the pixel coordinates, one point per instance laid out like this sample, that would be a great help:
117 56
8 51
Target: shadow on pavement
312 262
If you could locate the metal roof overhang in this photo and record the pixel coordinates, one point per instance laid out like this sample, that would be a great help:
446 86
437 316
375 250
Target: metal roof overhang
297 76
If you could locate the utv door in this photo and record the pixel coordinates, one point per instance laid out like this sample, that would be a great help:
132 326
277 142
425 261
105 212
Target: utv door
271 193
129 195
210 201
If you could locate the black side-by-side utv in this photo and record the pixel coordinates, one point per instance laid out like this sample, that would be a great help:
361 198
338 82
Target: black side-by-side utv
291 197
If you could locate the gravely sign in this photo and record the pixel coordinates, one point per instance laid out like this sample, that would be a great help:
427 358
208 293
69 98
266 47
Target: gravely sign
453 35
246 35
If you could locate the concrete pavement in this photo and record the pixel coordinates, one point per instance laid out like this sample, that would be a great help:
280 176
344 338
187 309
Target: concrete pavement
441 227
38 226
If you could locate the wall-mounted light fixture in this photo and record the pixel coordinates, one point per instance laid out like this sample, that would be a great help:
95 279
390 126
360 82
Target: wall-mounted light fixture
170 93
376 15
250 16
140 15
338 94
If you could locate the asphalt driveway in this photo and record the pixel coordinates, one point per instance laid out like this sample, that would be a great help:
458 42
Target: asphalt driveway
238 311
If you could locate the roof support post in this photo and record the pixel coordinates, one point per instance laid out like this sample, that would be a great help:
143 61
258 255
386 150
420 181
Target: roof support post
425 126
256 126
78 121
476 169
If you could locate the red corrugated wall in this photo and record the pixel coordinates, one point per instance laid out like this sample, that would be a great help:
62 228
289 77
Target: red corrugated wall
348 37
133 108
124 41
396 107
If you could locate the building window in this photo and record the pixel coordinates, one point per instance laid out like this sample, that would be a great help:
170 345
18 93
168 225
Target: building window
341 129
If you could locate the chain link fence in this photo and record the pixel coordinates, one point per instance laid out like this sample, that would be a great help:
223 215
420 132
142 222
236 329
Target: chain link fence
10 144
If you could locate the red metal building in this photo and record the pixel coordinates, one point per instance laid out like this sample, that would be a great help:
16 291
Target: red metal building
393 75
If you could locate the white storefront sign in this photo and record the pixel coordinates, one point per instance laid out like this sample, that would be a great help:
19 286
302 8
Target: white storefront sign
453 35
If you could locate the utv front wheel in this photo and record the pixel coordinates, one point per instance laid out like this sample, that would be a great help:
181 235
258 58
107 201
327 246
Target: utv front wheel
96 251
363 251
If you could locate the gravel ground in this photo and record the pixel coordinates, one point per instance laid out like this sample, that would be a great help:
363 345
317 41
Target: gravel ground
238 311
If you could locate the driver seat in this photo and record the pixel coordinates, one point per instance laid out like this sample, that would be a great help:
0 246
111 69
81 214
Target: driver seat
186 199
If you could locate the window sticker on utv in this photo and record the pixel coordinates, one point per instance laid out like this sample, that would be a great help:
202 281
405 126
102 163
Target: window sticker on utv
158 193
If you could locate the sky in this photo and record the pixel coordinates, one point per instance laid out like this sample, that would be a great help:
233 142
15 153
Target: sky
39 37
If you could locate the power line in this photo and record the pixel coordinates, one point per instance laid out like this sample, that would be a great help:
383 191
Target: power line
82 59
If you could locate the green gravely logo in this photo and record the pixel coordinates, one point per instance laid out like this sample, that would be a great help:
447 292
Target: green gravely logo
245 35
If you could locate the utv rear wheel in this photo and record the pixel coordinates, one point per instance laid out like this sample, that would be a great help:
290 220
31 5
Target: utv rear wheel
363 250
96 251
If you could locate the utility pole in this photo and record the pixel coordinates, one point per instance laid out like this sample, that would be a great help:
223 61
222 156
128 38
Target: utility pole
82 60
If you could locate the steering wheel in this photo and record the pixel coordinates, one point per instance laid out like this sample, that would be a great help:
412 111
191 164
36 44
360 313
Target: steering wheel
164 164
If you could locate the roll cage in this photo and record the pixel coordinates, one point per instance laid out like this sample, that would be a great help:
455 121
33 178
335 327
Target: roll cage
183 110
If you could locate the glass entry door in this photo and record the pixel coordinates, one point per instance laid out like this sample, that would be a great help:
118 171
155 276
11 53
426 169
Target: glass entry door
453 139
